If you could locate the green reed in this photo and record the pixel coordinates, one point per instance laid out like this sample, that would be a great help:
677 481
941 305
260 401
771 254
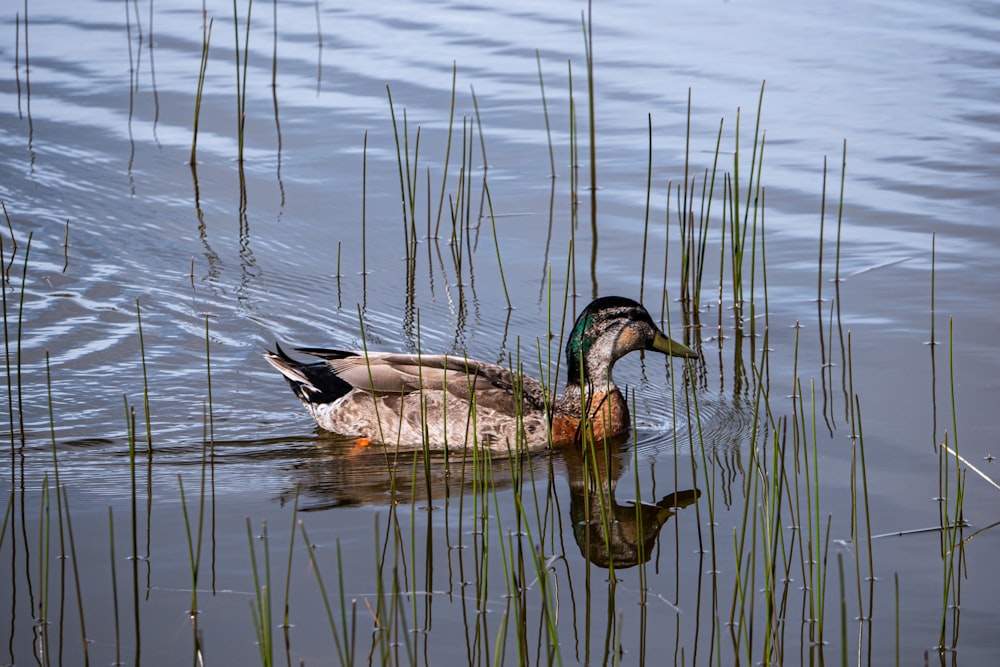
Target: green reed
260 605
65 245
496 244
20 330
8 512
574 175
740 224
588 43
44 532
953 546
840 215
693 234
447 150
642 556
895 591
134 533
194 539
545 579
423 459
345 650
285 621
114 584
132 437
274 94
45 520
145 380
545 111
407 174
858 464
506 549
206 38
84 640
241 77
193 547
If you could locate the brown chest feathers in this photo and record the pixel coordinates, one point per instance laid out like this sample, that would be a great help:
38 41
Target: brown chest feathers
607 419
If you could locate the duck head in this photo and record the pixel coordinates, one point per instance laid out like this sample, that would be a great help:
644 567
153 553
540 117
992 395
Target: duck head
608 329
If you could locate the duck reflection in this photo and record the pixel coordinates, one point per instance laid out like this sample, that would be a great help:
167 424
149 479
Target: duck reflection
611 534
334 472
338 473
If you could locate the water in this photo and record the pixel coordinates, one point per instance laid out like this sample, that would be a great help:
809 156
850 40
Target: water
98 132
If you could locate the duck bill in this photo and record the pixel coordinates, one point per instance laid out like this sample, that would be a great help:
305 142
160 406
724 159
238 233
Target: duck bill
672 348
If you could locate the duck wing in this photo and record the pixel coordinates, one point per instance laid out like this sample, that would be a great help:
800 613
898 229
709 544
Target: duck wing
391 373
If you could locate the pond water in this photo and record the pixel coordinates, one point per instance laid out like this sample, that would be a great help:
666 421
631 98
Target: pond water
307 240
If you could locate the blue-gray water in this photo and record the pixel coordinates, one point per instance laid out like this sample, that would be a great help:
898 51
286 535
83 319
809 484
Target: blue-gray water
97 101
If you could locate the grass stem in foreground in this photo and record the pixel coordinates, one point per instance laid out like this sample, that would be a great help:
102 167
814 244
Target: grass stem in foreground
85 642
311 550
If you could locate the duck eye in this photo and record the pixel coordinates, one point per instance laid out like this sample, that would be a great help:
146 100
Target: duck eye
629 339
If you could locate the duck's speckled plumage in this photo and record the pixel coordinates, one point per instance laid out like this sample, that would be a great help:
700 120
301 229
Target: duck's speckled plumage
450 401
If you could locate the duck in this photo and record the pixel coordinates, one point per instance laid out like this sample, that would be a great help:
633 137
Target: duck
451 401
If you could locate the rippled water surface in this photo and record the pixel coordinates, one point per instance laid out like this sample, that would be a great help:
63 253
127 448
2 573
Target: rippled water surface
304 241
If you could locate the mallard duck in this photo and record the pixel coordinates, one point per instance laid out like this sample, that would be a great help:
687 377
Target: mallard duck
447 400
